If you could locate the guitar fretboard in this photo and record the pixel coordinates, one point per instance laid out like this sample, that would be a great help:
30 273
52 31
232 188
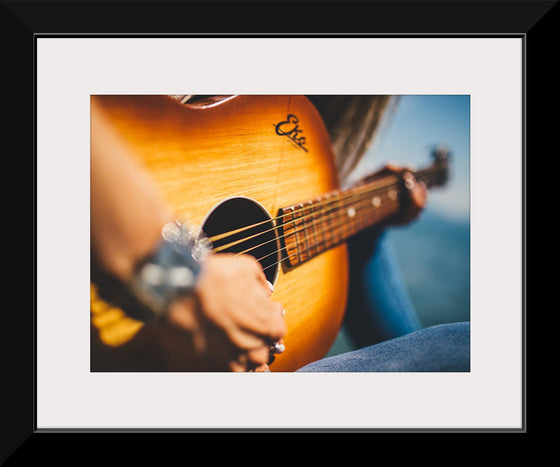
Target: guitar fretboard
314 226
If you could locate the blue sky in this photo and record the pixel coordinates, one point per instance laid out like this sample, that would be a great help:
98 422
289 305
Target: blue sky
418 123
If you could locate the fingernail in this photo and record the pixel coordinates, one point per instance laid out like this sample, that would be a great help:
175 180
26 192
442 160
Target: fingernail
279 348
283 311
270 286
267 370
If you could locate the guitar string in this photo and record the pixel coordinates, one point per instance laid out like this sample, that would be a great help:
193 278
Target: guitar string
353 197
333 215
315 245
298 254
335 240
309 256
381 211
311 250
323 213
319 203
421 175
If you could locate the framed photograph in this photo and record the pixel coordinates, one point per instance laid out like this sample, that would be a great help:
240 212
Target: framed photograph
456 84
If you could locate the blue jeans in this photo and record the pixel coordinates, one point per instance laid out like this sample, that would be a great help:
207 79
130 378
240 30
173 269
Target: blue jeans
382 322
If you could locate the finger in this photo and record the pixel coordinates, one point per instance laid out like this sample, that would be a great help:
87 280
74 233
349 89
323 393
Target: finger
414 189
253 265
278 347
240 363
264 318
263 330
182 312
262 368
258 356
253 360
387 169
247 340
391 167
270 287
236 338
253 329
417 197
237 367
275 327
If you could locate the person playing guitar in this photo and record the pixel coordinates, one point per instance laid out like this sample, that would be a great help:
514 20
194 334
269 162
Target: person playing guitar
216 312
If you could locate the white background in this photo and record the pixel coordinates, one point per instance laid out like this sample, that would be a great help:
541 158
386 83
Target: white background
69 70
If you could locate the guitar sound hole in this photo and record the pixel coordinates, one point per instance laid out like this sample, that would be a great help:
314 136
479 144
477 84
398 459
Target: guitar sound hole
258 238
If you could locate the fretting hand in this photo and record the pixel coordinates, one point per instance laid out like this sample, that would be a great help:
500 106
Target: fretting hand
416 190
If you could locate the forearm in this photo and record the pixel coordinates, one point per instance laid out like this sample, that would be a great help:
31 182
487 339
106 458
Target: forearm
127 211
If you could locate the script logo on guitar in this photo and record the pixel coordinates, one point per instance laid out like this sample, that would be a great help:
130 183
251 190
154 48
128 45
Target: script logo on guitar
291 129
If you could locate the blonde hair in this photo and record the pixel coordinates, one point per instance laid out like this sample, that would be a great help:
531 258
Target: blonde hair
352 122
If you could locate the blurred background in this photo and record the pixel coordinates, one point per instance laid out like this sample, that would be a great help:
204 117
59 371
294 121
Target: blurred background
434 251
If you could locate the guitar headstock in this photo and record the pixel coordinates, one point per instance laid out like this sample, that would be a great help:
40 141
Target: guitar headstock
441 156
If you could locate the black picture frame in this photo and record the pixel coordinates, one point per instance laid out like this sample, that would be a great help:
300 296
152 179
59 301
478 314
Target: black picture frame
22 22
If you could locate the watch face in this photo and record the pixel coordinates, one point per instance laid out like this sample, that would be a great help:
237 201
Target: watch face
172 269
179 277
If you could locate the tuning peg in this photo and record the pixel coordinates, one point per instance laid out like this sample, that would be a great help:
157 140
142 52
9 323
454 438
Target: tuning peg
441 153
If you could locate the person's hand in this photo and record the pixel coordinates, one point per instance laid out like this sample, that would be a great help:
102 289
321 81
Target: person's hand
416 190
233 322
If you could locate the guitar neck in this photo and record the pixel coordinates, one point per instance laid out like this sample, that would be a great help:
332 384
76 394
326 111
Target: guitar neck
314 226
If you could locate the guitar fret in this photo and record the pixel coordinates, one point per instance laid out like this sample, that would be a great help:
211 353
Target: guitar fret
325 221
351 213
331 219
300 234
341 225
304 231
289 237
308 213
346 227
316 213
324 232
364 219
358 218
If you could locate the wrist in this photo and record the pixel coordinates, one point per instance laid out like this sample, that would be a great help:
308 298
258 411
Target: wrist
171 271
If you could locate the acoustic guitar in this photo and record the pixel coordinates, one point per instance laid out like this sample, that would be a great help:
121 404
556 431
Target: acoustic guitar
257 173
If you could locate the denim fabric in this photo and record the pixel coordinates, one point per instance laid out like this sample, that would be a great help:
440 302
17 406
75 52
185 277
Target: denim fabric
383 324
445 347
379 307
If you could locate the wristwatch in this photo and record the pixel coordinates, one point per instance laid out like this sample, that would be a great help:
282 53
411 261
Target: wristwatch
171 271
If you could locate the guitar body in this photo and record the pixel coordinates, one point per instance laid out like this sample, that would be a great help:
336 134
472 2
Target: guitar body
267 151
